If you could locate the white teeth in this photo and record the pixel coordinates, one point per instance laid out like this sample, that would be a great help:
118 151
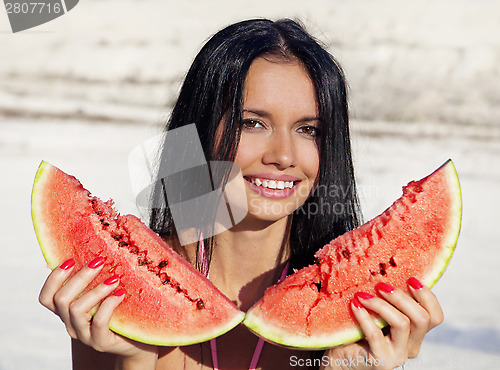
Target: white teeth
273 184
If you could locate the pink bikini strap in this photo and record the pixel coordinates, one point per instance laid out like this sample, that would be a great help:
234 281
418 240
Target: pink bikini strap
213 343
260 343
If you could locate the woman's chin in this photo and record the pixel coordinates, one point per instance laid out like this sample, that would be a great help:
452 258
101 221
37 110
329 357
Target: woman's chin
258 221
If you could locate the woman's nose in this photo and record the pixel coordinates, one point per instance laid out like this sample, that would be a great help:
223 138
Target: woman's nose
281 151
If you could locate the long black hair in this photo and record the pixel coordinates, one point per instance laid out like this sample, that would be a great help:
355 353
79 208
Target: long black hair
212 95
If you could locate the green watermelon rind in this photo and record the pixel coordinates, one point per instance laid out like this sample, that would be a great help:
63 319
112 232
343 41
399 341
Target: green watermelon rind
123 329
278 336
442 262
115 324
38 225
282 338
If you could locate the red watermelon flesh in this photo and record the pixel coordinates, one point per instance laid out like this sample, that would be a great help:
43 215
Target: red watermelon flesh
415 237
167 301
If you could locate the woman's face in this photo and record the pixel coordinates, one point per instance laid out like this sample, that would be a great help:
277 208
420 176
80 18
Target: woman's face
278 152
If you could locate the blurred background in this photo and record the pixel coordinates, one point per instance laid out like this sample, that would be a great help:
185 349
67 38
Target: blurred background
84 89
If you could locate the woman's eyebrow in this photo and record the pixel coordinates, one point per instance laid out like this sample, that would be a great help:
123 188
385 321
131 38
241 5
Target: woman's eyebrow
258 112
262 113
308 119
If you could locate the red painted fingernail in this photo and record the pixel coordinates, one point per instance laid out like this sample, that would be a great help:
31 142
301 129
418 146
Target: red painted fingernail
112 280
119 292
357 303
96 263
67 264
414 283
364 295
384 287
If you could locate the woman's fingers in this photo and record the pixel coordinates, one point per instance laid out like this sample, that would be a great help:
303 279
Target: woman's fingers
428 301
398 321
100 332
372 332
54 282
80 310
419 318
73 288
64 296
409 318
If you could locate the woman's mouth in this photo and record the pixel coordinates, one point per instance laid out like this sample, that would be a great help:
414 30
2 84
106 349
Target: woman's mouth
272 188
272 184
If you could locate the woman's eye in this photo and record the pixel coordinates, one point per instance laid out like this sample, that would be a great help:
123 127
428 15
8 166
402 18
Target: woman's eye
251 123
310 131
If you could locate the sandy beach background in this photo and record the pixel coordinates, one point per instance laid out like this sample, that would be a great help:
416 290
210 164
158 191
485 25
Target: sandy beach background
86 88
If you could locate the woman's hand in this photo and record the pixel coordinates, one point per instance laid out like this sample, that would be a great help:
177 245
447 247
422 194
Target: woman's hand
63 296
409 319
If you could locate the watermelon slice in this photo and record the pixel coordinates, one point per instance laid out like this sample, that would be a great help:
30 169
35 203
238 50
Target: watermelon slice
167 303
416 237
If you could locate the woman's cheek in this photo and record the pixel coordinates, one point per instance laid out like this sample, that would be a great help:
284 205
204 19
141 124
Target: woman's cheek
249 149
309 159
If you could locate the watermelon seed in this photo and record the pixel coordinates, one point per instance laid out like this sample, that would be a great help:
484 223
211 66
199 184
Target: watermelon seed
133 249
199 304
142 258
122 244
346 254
382 269
117 237
164 278
392 262
162 264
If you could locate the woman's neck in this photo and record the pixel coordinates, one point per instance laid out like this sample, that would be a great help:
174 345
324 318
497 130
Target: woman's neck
249 258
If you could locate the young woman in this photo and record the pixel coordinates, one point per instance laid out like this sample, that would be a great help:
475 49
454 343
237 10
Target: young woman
266 96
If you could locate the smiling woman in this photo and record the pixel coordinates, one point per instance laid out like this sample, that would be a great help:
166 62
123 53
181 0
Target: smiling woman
253 84
266 96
